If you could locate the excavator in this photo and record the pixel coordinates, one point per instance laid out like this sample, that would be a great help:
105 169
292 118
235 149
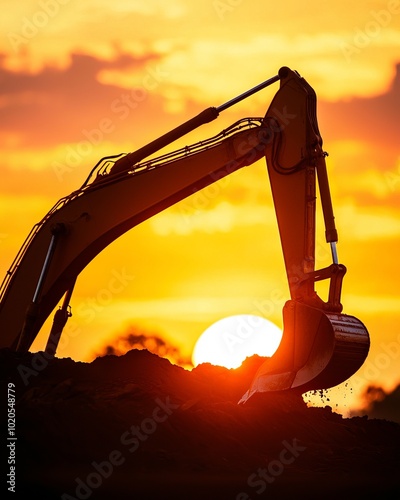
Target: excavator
320 348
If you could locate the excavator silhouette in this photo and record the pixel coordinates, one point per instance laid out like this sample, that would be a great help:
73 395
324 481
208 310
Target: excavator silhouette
320 347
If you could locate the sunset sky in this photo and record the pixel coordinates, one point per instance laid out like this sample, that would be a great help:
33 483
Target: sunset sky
147 66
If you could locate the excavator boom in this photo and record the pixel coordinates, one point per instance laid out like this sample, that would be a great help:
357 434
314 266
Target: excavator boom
320 346
84 224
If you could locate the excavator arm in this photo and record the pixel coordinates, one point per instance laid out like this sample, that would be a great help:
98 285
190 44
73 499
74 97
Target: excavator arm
320 346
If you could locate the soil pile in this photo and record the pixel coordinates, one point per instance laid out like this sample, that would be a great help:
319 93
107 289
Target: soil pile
136 426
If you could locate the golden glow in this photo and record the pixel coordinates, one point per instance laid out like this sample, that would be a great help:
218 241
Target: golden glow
231 340
369 224
146 67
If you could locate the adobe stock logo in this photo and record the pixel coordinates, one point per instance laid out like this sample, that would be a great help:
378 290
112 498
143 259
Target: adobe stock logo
260 479
372 29
392 177
30 27
120 109
131 439
223 8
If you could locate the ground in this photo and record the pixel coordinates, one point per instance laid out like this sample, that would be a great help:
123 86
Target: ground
136 426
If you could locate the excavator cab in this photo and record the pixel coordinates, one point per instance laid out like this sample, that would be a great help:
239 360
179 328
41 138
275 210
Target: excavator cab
320 347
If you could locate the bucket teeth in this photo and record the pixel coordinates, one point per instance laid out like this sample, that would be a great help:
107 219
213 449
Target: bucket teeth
318 350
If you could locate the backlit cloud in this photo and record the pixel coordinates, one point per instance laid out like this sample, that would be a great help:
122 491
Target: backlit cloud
57 101
366 224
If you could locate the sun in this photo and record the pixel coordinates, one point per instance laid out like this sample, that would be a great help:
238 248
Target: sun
229 341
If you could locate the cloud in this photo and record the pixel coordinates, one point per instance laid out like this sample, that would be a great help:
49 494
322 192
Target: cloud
383 304
124 99
256 57
371 119
368 223
361 137
172 10
223 217
54 105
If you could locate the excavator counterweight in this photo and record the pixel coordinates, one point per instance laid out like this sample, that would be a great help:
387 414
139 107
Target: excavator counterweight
320 347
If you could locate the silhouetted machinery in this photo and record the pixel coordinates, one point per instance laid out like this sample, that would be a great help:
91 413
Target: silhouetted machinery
320 347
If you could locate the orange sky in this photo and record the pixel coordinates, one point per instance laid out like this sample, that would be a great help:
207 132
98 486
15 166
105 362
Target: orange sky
147 67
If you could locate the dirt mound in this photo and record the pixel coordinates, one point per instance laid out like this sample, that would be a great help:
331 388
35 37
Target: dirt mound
137 426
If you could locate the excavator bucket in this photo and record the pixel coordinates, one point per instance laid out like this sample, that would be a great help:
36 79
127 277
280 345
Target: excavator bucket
318 350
